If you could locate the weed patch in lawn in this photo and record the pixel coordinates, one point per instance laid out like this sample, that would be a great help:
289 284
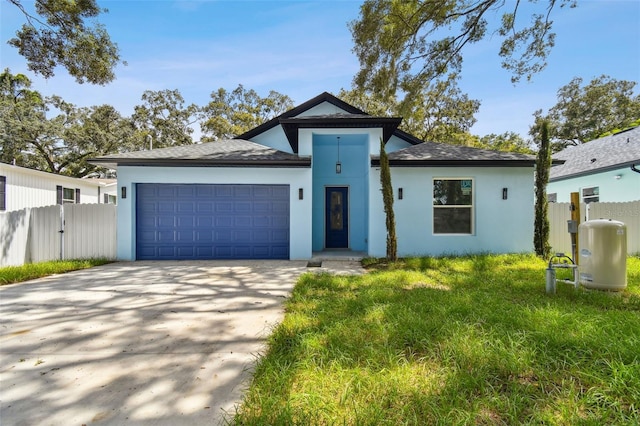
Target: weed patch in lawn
30 271
471 340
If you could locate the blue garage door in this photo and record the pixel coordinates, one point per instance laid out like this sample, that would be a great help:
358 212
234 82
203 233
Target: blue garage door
176 221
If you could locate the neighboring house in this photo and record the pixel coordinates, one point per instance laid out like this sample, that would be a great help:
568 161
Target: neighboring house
108 190
308 181
21 187
603 170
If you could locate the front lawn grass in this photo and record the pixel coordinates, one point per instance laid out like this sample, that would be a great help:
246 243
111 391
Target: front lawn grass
471 340
30 271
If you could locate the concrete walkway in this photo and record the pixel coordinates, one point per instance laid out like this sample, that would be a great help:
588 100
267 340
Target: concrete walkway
144 343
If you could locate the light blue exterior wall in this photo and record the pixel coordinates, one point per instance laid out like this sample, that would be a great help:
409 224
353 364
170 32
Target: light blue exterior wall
325 108
353 155
274 138
394 144
300 210
500 226
619 185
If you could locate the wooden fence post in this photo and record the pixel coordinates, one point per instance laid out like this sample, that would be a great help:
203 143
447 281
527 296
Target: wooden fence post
575 215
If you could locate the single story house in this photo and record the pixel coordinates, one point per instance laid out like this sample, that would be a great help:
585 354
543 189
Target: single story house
603 170
21 187
308 181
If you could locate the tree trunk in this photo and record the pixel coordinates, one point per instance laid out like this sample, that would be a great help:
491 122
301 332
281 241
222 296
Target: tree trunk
387 197
543 165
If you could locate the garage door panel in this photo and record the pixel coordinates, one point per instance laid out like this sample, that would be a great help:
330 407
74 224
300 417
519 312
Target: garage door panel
204 236
186 191
166 207
262 222
176 221
205 191
162 221
224 207
185 236
223 235
280 222
223 191
280 236
204 207
242 236
223 222
204 221
242 191
242 221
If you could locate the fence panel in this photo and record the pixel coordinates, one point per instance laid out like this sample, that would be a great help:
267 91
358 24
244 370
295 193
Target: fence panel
559 238
44 237
628 213
33 234
14 237
90 231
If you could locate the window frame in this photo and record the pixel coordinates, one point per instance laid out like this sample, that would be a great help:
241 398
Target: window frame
110 199
65 192
594 197
471 206
3 193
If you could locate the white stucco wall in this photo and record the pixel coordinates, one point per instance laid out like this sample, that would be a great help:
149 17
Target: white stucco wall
500 226
300 210
619 185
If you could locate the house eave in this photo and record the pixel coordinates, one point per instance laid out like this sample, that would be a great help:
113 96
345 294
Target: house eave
375 162
292 125
113 163
595 171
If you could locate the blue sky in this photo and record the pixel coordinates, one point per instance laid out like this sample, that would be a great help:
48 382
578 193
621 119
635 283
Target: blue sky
302 48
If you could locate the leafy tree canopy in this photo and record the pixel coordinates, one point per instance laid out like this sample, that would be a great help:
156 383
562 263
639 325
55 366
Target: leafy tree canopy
230 114
587 112
52 135
62 32
508 141
403 45
164 120
440 112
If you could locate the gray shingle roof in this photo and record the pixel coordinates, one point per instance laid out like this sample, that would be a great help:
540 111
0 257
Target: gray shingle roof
441 154
235 152
607 153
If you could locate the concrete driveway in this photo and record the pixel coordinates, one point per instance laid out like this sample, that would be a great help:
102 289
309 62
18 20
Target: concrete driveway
144 343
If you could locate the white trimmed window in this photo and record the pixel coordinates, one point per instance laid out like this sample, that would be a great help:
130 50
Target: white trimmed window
453 206
591 195
67 195
110 199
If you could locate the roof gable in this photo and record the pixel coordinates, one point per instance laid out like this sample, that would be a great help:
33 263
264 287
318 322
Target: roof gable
301 117
610 152
300 109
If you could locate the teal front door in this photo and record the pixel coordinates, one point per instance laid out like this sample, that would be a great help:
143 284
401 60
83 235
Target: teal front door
336 217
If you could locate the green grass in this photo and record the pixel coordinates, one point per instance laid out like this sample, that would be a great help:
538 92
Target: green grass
29 271
472 340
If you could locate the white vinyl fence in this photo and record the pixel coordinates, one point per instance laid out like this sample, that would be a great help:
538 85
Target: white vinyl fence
628 213
33 234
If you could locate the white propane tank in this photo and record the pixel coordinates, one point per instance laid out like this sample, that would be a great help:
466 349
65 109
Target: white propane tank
603 254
